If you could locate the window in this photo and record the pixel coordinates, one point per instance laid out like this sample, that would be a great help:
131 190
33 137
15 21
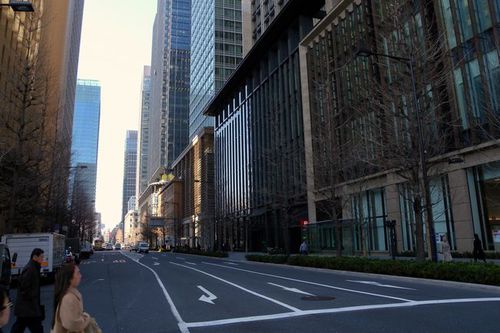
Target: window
464 19
448 20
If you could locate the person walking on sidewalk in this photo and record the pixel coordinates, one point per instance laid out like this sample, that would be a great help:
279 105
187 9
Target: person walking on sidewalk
28 310
478 252
303 248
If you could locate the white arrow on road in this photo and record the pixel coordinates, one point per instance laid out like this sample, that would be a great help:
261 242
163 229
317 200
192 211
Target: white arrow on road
294 290
205 298
378 284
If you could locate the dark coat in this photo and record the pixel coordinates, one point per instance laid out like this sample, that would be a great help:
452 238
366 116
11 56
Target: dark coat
28 292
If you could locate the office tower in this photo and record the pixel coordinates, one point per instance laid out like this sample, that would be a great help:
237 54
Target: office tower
169 83
85 142
144 128
129 170
216 50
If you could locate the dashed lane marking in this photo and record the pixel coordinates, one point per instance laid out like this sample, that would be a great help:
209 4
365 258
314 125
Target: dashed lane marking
191 263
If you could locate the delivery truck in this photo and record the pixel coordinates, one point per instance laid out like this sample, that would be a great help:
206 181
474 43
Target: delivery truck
21 246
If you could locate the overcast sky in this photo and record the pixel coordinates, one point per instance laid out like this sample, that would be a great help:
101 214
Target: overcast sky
115 45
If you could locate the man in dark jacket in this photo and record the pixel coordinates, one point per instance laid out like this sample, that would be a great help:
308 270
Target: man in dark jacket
28 309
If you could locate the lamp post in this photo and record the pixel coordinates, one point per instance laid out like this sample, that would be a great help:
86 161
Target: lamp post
19 6
424 181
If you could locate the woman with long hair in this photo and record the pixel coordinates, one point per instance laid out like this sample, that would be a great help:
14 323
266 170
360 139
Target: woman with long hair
68 303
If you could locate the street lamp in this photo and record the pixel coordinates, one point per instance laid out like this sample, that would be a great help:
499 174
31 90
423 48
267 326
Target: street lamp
19 6
410 62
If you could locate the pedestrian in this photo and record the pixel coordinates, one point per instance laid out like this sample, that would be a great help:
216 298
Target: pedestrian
446 248
29 311
68 304
5 307
478 252
303 248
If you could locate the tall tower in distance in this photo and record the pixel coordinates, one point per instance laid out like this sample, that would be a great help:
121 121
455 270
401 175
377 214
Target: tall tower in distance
144 133
129 170
170 60
84 147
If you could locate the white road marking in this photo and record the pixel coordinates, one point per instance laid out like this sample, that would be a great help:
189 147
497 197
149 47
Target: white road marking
240 287
156 264
180 322
230 263
191 263
204 298
154 258
181 258
378 284
294 290
312 283
337 310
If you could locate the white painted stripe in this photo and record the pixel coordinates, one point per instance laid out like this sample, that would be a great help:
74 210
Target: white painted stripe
191 263
313 283
180 322
240 287
230 263
154 258
337 310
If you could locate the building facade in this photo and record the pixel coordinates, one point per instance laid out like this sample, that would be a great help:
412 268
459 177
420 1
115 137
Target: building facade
216 50
85 138
259 140
129 170
45 48
144 127
455 107
170 66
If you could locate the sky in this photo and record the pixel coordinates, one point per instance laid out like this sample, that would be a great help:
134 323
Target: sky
115 46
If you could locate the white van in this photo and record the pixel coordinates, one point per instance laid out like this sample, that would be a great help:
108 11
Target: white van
143 247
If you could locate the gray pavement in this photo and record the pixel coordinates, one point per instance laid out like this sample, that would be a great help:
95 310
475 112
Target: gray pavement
169 292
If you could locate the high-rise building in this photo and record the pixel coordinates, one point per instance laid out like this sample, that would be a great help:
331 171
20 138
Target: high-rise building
169 130
216 50
85 142
50 38
144 128
129 170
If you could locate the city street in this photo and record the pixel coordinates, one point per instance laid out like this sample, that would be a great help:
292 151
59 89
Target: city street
168 292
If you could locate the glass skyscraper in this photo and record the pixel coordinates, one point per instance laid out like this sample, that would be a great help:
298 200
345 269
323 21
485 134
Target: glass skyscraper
129 170
169 83
144 127
85 136
216 50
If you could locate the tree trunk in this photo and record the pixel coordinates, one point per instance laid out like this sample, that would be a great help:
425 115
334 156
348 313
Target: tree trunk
419 228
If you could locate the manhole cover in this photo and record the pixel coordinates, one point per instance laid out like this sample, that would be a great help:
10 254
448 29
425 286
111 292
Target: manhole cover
318 298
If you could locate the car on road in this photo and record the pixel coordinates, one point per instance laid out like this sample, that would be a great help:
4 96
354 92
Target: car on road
143 248
108 246
118 246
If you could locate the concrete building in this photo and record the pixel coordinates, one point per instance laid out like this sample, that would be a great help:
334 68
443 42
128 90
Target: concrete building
51 49
129 170
460 144
194 170
132 228
144 128
169 84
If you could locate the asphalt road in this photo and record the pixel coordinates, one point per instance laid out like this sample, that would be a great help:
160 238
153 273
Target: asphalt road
168 292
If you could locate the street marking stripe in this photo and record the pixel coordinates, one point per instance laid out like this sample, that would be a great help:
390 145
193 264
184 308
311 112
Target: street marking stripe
180 322
230 263
336 310
191 263
313 283
378 284
240 287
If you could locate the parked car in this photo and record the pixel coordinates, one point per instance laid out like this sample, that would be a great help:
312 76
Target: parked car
143 248
118 246
108 247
